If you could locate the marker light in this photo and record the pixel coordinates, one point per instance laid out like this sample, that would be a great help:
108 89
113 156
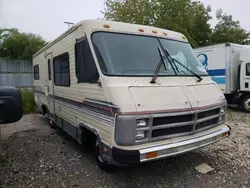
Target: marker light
141 30
106 26
151 155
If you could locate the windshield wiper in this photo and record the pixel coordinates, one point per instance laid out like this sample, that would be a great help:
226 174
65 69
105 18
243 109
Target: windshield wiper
157 70
175 60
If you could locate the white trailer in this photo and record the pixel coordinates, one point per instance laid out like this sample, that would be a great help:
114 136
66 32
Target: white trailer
229 66
138 93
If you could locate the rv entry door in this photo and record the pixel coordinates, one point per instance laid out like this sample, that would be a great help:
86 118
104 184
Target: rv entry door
51 99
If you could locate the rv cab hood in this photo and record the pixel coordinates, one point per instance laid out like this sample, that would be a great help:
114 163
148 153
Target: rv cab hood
175 98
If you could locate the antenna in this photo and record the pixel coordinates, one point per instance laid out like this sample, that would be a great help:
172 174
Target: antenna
69 23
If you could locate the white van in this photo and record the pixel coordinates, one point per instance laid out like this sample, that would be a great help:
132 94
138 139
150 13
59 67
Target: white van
137 93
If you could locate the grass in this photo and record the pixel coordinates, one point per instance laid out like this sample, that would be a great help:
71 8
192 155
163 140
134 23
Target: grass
28 101
229 115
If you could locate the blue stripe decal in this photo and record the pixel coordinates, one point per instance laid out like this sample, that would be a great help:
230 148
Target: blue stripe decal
216 72
220 80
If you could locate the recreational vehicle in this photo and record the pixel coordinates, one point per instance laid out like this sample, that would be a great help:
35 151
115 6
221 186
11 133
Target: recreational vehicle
135 93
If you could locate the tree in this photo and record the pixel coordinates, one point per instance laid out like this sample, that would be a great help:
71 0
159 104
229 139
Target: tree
188 17
228 30
16 45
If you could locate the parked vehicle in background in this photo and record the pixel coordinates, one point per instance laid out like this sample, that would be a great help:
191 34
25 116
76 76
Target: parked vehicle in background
11 108
138 93
229 66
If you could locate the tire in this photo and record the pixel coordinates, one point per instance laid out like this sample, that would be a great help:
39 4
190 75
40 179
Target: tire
52 124
102 164
246 103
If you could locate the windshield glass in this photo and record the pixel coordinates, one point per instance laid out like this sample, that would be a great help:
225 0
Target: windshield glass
136 55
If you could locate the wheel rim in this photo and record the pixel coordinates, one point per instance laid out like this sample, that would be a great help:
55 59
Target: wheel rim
247 104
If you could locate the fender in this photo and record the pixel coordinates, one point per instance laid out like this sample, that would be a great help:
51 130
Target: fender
79 134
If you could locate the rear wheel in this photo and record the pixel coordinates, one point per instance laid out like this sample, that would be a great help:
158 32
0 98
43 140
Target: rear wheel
246 103
52 124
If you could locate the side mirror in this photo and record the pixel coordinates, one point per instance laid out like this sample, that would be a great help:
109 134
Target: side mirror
11 107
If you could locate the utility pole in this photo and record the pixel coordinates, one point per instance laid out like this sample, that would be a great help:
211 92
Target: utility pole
69 23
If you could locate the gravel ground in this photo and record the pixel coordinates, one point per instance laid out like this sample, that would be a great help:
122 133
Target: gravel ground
34 155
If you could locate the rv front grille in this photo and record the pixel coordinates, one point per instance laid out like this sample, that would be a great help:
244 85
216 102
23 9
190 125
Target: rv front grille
208 113
171 131
176 125
173 119
206 123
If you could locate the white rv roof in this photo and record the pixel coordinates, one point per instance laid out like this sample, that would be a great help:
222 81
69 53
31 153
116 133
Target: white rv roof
95 25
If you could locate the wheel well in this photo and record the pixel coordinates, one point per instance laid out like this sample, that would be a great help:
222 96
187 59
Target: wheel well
44 109
88 138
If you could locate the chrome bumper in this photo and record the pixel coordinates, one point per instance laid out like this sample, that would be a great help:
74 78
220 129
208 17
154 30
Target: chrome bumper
183 146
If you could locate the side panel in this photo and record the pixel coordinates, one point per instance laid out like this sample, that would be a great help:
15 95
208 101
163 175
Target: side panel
80 103
214 60
40 85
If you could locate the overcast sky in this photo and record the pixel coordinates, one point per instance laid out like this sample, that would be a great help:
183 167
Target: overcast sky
46 17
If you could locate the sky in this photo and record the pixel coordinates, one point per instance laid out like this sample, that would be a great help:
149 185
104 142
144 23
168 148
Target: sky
47 17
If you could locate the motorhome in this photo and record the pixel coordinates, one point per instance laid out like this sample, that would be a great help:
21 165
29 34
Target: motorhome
133 92
228 65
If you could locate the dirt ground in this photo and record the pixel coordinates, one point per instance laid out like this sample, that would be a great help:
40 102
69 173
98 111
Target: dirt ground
34 155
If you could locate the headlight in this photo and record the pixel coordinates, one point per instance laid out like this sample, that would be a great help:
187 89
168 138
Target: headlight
141 123
140 135
222 110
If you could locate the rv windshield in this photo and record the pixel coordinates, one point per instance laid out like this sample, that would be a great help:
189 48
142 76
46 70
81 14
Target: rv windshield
136 55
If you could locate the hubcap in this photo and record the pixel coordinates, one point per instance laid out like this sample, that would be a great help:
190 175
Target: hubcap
247 104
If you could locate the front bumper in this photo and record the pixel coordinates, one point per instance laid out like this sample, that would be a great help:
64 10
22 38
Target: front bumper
168 150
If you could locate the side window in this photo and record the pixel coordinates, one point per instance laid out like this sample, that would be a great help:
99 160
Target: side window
36 72
248 69
49 69
86 71
61 70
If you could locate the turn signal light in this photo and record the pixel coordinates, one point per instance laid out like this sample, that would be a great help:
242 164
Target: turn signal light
151 155
105 150
225 134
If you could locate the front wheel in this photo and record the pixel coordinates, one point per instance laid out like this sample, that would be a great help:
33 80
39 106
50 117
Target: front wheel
103 165
246 103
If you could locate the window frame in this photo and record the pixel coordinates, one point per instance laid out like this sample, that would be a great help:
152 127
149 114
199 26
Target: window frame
36 72
54 73
247 73
79 69
49 69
